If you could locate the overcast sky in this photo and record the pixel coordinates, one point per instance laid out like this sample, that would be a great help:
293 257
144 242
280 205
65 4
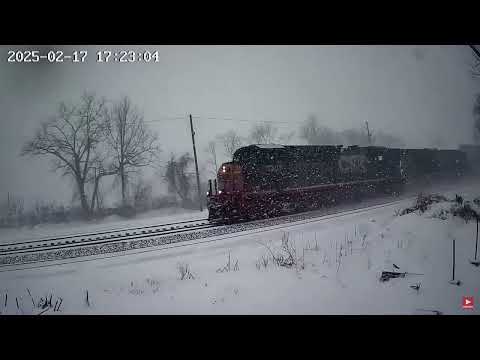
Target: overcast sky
423 94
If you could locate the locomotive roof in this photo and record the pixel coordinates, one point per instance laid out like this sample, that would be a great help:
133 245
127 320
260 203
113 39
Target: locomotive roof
269 146
266 153
251 151
255 148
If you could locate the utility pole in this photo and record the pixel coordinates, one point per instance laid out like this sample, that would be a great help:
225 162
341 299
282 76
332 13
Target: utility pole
369 134
196 163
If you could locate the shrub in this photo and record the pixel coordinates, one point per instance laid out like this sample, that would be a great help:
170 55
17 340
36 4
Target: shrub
423 202
286 256
465 211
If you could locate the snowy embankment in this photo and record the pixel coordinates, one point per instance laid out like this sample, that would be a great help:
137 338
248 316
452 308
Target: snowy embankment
110 223
328 266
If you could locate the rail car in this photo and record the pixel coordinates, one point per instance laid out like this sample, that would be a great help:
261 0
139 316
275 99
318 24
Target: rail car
473 157
270 180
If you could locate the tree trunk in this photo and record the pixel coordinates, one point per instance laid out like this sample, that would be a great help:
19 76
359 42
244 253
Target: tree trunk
83 197
123 182
95 194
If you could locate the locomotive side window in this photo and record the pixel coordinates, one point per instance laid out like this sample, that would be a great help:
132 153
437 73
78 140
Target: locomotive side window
230 178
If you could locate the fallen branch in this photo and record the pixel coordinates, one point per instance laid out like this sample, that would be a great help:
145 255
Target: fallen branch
436 312
416 287
44 311
387 275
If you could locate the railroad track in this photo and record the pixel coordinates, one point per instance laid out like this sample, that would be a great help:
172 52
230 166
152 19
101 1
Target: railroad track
125 248
102 237
181 237
127 234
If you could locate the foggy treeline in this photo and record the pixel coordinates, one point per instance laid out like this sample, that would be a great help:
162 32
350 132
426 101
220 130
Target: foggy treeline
87 142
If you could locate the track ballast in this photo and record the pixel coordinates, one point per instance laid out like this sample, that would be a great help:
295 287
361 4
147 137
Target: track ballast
140 241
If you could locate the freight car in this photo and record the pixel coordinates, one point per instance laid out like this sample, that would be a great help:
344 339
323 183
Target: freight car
270 180
426 164
473 157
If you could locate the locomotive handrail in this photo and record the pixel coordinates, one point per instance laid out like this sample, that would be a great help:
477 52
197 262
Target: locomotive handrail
336 184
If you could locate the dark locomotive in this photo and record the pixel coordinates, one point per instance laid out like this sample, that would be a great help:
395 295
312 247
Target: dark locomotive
270 180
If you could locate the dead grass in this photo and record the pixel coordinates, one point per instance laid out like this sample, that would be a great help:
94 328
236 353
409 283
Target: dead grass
230 266
286 256
184 271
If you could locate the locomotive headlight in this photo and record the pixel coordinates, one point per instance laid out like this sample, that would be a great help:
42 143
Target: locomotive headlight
219 192
224 169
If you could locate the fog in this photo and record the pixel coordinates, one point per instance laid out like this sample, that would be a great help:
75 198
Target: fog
422 94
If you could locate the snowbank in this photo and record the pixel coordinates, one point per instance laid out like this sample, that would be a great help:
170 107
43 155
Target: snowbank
113 222
338 263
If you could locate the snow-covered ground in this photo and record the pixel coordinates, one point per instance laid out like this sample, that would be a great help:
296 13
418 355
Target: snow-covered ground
114 222
339 260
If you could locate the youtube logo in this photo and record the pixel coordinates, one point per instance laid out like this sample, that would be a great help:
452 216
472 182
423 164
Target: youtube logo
467 302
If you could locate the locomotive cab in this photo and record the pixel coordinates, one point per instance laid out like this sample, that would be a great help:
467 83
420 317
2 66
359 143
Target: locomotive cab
229 178
223 201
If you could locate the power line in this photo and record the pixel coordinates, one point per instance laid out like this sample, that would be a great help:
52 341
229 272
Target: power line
175 118
249 120
168 118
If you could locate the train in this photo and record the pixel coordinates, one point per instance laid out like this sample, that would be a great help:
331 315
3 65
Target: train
264 181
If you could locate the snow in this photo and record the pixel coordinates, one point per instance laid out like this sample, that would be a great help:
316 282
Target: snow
113 222
269 146
370 241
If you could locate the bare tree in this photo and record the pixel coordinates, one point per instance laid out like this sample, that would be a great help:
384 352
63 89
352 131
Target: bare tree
100 168
476 114
231 142
286 137
476 65
355 137
132 144
177 176
384 139
263 134
70 139
314 134
142 193
476 105
212 157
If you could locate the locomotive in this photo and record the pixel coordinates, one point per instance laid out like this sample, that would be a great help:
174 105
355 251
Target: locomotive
265 181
